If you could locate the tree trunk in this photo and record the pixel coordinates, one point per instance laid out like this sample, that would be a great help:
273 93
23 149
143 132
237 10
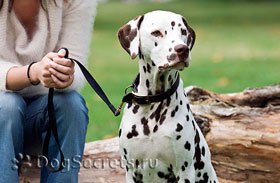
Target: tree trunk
242 131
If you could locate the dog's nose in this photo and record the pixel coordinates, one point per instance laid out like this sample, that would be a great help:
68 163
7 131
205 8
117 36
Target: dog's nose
181 49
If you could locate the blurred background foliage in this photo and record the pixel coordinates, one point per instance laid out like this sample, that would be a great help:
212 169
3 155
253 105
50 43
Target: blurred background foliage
237 46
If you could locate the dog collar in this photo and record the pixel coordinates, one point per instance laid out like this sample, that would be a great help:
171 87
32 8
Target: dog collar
132 98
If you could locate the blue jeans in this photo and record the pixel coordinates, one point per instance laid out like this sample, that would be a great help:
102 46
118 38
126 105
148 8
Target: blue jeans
23 124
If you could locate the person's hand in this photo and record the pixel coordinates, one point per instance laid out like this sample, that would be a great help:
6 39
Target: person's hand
62 70
54 71
40 71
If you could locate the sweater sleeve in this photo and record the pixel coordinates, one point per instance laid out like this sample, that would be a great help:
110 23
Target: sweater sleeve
76 33
5 67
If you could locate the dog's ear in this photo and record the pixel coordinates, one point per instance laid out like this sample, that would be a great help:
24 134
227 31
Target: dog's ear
129 36
191 37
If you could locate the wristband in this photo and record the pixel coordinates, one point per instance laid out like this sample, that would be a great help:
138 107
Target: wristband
28 76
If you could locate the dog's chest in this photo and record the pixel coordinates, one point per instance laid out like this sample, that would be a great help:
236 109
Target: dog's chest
152 131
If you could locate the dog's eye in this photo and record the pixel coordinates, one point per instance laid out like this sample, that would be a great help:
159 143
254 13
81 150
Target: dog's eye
184 32
157 33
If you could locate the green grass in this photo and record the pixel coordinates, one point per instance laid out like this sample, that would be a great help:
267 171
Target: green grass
238 46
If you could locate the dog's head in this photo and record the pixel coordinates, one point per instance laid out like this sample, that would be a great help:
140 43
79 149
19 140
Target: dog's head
161 36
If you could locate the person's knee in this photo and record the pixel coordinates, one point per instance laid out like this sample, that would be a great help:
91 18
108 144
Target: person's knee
12 115
12 108
71 101
72 106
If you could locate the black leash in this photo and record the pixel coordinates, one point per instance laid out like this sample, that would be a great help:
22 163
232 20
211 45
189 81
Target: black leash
128 98
52 119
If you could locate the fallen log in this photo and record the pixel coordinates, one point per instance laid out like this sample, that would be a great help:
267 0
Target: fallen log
242 131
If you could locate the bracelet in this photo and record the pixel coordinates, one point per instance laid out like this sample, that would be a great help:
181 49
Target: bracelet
28 76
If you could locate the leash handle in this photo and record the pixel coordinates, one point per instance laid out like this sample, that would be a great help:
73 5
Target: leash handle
52 128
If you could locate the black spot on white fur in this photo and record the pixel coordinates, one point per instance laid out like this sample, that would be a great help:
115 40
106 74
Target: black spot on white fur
187 118
144 69
174 111
203 151
197 155
168 176
157 112
133 132
188 107
138 177
155 128
205 178
147 83
135 109
162 117
146 129
193 125
148 68
187 146
183 168
179 127
120 132
141 56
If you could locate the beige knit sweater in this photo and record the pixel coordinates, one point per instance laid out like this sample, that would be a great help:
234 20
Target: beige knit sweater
67 25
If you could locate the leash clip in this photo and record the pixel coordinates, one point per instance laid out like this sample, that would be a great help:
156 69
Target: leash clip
117 112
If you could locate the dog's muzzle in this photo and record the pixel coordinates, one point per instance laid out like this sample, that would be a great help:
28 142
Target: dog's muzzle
178 60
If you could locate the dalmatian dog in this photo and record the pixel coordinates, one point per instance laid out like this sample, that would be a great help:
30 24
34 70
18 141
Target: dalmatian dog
161 142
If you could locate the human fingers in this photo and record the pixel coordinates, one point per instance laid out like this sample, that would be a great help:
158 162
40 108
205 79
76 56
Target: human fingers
51 55
59 75
48 82
64 62
61 53
62 84
63 69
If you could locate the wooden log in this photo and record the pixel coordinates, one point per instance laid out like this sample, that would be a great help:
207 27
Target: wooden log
242 131
101 164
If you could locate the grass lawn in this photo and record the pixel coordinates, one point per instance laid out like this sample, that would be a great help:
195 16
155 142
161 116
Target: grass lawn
238 46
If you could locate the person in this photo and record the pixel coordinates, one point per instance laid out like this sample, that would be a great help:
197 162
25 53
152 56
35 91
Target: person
31 33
